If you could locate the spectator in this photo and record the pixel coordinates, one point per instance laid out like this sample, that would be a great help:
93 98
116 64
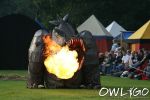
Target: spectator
137 69
118 66
126 59
134 57
140 54
107 64
147 71
101 59
118 48
114 45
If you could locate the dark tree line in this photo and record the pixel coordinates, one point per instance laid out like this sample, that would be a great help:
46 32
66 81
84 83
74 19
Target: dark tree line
131 14
17 30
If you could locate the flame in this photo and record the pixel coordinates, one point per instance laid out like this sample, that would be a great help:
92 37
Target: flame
62 63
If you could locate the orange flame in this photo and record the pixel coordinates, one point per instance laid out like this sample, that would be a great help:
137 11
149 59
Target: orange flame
61 61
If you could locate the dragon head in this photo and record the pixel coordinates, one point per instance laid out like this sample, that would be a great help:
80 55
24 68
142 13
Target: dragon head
62 31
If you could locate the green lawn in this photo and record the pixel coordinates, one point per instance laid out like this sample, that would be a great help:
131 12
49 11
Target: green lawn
13 72
16 90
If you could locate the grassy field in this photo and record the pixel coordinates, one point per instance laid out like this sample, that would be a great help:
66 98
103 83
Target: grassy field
16 89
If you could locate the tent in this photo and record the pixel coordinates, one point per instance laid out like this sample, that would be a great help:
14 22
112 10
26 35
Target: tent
123 38
115 29
141 38
124 35
101 35
16 34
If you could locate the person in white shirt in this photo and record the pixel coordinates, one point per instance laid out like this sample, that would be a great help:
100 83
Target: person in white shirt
126 59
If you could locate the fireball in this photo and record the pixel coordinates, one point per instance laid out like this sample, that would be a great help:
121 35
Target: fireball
60 61
63 64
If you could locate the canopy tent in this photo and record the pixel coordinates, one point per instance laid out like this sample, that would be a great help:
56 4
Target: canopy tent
123 38
16 34
101 35
124 35
141 38
115 29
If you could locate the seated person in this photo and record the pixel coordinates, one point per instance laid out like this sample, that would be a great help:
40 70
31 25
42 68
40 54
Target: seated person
107 64
147 71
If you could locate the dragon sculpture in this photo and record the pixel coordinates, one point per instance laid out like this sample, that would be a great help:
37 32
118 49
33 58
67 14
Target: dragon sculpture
63 34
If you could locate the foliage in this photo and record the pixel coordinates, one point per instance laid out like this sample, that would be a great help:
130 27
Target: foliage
129 13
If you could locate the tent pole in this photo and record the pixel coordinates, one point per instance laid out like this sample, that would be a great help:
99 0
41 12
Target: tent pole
121 43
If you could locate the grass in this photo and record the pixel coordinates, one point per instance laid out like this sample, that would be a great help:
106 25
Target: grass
13 72
16 90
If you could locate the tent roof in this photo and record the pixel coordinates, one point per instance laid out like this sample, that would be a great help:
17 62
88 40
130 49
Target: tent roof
114 29
125 35
94 26
142 33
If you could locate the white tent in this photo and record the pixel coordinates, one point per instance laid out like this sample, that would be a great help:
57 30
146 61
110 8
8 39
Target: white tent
114 29
102 36
94 26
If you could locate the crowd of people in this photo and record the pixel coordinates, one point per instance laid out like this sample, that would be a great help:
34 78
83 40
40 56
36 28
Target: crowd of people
124 63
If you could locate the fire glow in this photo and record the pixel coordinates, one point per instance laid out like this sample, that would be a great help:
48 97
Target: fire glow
63 64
